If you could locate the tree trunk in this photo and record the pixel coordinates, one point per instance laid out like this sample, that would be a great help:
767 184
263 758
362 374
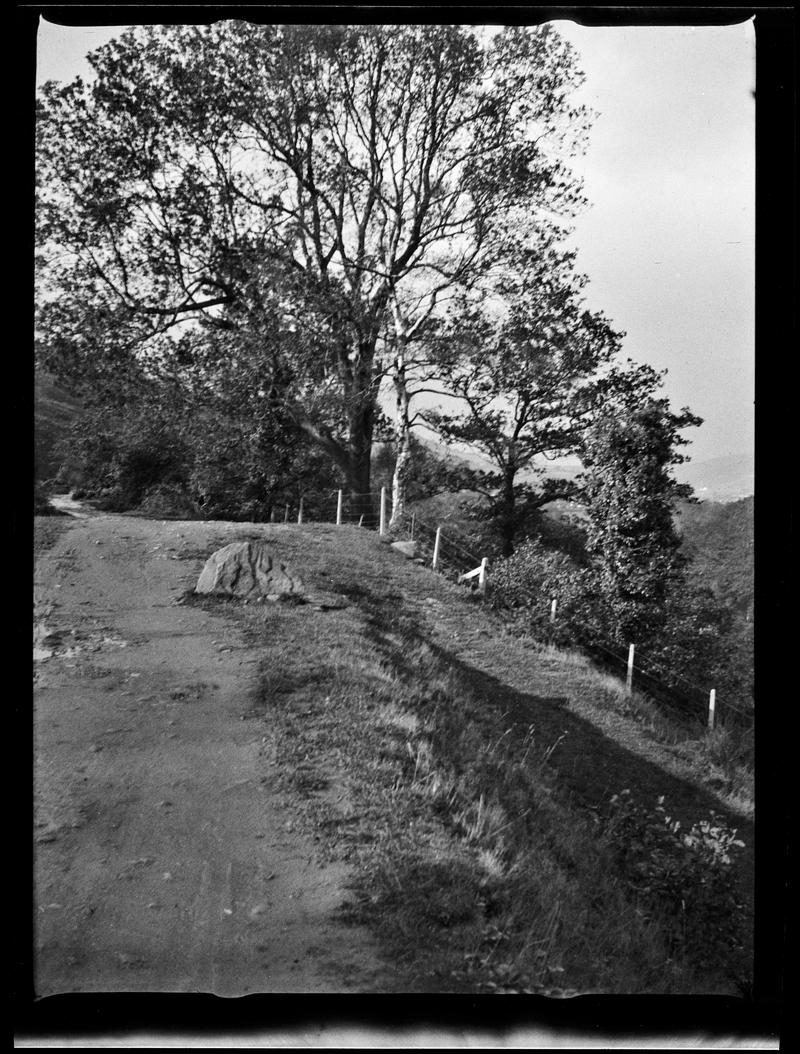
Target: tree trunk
358 475
508 511
360 425
403 462
402 466
354 456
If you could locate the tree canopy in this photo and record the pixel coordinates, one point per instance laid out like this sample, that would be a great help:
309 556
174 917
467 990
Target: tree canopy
523 366
300 196
630 492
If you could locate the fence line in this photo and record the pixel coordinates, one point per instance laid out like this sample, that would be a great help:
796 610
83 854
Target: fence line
633 664
454 554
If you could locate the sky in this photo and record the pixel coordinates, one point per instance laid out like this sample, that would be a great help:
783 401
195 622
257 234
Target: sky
668 240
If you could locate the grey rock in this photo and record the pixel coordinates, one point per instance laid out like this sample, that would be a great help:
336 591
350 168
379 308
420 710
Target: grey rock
248 569
409 549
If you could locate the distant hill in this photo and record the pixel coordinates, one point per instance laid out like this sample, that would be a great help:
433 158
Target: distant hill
720 479
729 477
718 537
54 411
460 453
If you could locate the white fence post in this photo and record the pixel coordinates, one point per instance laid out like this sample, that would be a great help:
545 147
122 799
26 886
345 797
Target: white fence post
361 520
339 510
383 511
553 610
629 679
712 706
436 546
286 515
482 576
300 512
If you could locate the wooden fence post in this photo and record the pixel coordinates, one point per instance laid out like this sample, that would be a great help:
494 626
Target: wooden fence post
412 526
339 510
482 576
712 706
383 511
300 512
553 610
436 546
629 678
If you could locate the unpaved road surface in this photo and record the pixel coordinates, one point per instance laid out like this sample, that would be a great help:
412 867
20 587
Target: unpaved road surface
164 859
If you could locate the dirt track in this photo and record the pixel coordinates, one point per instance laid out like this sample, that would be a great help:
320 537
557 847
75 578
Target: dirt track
164 860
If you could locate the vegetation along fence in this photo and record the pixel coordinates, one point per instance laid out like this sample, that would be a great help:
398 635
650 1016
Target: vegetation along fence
449 555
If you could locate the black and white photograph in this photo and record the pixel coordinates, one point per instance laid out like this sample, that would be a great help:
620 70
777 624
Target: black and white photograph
394 414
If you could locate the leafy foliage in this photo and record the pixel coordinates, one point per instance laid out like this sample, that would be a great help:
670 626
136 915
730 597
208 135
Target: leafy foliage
283 187
522 362
630 492
692 651
429 474
534 576
118 455
684 878
194 459
718 538
54 411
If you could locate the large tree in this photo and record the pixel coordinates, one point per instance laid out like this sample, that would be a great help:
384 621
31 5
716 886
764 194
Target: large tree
523 367
630 491
303 195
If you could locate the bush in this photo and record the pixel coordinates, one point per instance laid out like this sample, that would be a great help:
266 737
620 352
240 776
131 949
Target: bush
170 500
184 460
528 581
118 455
682 880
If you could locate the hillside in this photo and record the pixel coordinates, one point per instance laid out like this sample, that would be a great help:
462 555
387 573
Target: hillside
459 786
729 477
54 411
718 538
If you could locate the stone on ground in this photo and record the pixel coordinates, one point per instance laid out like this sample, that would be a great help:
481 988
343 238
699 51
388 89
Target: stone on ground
408 549
248 569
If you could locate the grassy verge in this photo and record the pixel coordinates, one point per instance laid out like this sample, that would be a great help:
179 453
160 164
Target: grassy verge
470 779
721 760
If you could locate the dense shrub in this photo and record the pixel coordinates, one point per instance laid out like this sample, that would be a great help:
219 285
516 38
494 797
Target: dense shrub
193 462
528 581
243 469
693 650
683 879
118 455
170 500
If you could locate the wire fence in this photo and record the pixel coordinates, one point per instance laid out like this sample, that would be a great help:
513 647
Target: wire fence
449 554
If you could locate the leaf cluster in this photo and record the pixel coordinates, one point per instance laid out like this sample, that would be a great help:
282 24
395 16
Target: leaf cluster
683 878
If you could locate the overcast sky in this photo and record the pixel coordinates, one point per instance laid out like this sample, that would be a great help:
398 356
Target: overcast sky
668 240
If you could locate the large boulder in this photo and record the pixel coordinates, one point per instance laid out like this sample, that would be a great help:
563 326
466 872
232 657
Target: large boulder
249 570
